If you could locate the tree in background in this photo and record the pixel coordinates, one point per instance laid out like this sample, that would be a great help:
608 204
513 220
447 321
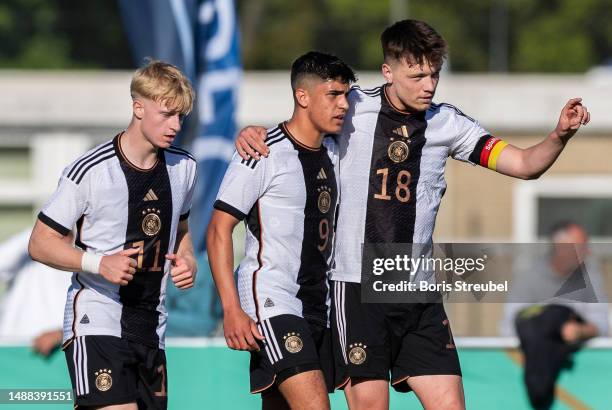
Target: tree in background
539 36
551 36
60 34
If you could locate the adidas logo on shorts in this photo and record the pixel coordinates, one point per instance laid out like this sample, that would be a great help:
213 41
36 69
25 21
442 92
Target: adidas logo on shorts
84 320
268 303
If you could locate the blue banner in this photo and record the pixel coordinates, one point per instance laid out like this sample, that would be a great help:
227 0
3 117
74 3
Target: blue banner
201 38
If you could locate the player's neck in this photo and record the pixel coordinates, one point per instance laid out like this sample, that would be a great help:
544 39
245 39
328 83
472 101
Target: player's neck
304 132
395 102
137 149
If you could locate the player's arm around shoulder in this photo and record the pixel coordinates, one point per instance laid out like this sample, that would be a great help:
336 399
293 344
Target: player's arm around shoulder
532 162
184 266
250 142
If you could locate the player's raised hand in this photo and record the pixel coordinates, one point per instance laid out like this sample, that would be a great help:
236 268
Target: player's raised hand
120 267
250 142
182 271
240 330
573 115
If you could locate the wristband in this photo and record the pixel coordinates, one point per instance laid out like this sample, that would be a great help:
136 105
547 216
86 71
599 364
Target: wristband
90 262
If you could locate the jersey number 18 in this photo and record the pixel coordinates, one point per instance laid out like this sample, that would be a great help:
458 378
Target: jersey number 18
402 191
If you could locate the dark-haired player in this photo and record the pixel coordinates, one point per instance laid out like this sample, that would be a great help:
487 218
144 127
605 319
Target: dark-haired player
393 150
288 202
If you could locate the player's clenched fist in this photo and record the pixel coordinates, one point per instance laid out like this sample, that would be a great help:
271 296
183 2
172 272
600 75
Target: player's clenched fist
240 330
182 271
120 267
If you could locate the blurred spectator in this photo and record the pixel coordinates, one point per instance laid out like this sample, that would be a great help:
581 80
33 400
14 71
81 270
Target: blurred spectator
32 308
47 342
551 332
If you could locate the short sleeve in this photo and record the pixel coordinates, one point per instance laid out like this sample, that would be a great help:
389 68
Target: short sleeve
193 178
67 204
473 143
331 145
245 181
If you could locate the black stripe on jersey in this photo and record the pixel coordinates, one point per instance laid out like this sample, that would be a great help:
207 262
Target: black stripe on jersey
392 200
85 158
227 208
100 160
372 92
254 225
276 140
149 229
90 160
77 241
475 155
274 133
180 151
253 222
74 311
184 216
457 110
251 162
59 228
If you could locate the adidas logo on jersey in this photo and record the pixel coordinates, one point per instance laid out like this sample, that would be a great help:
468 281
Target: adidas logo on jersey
84 320
269 303
150 196
401 131
322 174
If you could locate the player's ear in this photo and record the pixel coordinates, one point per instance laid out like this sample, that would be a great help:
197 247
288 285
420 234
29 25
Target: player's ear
387 72
301 97
138 108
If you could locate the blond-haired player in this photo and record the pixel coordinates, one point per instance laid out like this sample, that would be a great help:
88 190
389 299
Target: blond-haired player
129 200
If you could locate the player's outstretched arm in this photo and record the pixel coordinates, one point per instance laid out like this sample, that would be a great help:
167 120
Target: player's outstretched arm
184 266
532 162
49 247
251 142
239 329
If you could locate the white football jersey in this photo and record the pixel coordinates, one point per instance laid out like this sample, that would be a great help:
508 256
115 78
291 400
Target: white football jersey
288 202
114 206
392 172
